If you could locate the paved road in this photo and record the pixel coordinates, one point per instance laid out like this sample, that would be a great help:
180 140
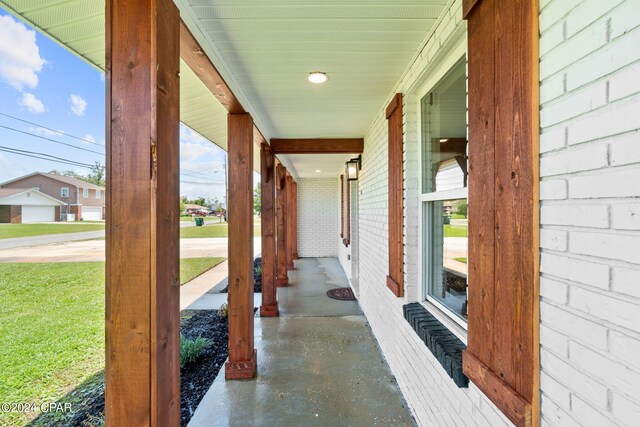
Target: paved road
22 242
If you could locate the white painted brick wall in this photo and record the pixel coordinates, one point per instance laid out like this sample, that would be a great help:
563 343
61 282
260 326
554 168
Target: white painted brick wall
590 214
431 395
318 217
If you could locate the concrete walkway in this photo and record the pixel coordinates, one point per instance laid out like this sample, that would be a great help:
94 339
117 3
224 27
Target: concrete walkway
94 250
318 364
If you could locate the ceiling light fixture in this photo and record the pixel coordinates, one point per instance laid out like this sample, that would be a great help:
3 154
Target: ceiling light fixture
318 77
318 171
444 139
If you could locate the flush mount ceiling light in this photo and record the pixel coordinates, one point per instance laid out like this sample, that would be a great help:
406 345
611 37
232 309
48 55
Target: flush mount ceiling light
317 77
444 139
318 171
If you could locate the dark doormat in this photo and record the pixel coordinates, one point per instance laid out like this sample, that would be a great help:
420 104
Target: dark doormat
343 294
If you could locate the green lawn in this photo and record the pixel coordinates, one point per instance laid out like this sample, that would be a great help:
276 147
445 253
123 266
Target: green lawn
455 230
461 259
193 267
212 230
52 328
27 230
206 219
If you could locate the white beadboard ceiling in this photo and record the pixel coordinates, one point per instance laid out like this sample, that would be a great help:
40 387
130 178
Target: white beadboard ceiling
265 50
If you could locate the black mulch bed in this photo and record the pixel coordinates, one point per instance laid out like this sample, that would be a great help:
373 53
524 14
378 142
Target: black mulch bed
257 277
195 379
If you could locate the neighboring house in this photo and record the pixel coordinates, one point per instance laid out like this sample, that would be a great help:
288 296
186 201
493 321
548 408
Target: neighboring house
20 206
191 209
83 200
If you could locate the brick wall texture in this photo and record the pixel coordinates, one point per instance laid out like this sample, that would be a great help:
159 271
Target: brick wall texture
318 217
590 212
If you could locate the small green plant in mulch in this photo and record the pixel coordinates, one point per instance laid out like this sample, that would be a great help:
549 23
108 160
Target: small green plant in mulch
190 350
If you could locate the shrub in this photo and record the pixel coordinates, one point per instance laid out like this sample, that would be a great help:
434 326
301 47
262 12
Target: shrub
190 350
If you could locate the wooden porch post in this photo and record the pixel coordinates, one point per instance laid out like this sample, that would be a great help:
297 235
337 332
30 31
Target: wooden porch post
142 375
289 222
281 256
269 307
242 356
294 238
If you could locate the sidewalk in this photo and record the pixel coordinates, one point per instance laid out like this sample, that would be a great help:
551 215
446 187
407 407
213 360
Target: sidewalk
318 365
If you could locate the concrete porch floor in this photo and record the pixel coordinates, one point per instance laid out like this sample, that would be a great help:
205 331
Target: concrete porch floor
318 364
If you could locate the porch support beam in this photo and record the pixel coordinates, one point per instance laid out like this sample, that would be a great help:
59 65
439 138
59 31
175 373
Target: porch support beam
281 200
242 355
142 375
318 146
294 238
289 222
269 307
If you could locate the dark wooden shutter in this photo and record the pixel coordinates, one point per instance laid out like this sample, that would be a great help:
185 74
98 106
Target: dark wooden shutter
342 206
395 279
503 357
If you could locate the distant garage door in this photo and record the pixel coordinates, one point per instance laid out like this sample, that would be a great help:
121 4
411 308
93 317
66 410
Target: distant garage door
38 214
91 213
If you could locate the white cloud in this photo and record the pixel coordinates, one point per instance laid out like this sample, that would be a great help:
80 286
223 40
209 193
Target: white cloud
20 60
78 105
31 103
89 137
187 135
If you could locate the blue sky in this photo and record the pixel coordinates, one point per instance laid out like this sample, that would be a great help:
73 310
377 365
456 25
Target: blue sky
43 83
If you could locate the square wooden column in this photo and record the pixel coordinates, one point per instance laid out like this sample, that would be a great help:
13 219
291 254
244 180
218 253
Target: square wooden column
142 374
281 200
242 355
289 222
294 238
269 307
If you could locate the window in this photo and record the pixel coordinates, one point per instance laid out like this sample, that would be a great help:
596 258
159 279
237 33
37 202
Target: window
444 194
98 194
64 192
85 193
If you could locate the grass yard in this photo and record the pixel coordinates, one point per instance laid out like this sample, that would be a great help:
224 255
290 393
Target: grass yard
27 230
191 268
52 328
212 230
207 219
455 230
461 259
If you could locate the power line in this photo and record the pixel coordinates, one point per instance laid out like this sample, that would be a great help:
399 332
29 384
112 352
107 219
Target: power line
202 183
52 130
49 139
44 156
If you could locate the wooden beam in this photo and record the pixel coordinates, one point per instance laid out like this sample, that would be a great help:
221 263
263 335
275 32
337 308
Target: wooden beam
395 279
195 57
142 375
282 279
294 238
242 355
318 146
289 221
269 307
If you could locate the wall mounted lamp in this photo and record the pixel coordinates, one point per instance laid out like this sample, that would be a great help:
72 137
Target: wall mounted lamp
353 167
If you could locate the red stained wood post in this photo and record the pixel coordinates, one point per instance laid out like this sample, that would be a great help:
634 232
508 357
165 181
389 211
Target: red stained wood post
142 375
281 200
242 355
269 307
289 222
294 238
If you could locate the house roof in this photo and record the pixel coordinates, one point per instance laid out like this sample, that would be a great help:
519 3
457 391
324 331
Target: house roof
74 182
6 193
192 206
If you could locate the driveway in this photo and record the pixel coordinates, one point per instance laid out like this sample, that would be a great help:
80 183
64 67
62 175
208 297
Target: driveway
94 250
